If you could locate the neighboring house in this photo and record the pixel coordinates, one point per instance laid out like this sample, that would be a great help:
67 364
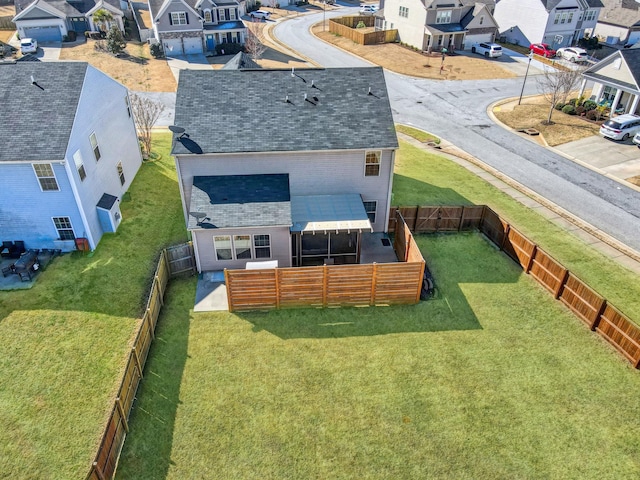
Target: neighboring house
51 20
619 22
616 80
559 23
293 166
436 24
196 26
68 152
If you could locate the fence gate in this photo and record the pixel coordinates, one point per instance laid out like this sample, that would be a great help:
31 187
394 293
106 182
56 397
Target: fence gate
181 259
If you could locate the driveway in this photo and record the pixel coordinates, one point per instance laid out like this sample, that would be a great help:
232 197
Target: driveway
616 159
187 62
47 51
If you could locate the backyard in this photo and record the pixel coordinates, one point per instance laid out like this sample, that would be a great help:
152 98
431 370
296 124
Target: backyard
63 343
491 379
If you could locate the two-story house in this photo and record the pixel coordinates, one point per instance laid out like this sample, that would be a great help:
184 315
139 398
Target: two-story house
196 26
432 25
619 22
307 171
51 20
68 152
559 23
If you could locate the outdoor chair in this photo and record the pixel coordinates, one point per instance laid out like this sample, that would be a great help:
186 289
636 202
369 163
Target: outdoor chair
7 248
8 270
17 250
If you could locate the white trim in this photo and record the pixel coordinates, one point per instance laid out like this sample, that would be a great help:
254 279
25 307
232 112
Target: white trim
166 4
104 6
45 7
366 153
196 253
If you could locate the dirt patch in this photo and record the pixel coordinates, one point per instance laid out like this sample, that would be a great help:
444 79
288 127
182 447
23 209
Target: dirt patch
399 59
7 11
534 112
635 180
5 35
137 71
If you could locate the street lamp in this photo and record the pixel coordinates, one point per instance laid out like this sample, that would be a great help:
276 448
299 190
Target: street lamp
324 15
525 77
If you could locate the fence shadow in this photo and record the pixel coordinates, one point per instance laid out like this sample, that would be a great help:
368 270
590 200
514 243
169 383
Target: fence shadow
148 445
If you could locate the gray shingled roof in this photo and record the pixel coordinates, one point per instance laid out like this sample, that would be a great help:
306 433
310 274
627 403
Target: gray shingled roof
36 123
228 111
631 57
240 60
226 201
551 4
68 8
625 13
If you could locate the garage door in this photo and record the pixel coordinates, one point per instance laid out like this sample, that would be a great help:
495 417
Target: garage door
479 38
172 47
44 34
192 45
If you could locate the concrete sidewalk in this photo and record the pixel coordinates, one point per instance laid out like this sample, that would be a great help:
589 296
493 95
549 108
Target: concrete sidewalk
586 233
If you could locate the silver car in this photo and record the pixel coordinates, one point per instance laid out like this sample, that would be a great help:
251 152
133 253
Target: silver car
573 54
621 127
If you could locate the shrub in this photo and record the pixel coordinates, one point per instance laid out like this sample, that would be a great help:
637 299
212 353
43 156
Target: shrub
361 24
156 50
592 115
580 110
559 106
573 101
569 110
115 41
589 105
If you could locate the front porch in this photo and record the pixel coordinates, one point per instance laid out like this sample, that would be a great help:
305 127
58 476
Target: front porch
449 36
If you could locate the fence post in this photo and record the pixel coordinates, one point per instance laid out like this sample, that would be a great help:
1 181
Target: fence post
122 415
149 321
596 322
136 359
98 471
505 236
461 220
229 295
558 291
156 281
325 282
374 280
531 257
277 287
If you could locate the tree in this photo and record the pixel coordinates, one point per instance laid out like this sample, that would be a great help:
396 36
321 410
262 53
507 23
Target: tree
254 43
145 114
102 18
115 41
556 85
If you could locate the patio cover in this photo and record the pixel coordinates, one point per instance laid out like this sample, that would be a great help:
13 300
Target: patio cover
329 213
444 28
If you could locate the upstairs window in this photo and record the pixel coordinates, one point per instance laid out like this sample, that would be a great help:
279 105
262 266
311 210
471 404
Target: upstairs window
232 14
120 173
372 163
77 159
94 146
221 15
207 16
404 12
179 18
443 16
46 177
590 15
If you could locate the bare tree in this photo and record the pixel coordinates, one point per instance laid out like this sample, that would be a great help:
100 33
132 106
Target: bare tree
556 85
145 114
254 43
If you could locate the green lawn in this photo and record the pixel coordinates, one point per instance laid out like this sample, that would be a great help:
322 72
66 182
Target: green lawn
64 342
492 379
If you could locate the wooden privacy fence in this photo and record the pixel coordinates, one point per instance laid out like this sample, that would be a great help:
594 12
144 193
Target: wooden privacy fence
331 285
346 27
117 427
588 305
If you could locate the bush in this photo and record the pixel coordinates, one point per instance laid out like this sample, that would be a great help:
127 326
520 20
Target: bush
580 110
592 115
559 106
589 105
361 24
569 110
228 48
573 101
156 50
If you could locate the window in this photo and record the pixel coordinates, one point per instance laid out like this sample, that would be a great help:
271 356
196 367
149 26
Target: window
443 16
370 208
77 159
262 246
232 14
570 18
46 177
179 18
556 20
481 19
222 245
590 15
64 228
207 16
120 173
94 146
242 245
221 15
404 12
372 164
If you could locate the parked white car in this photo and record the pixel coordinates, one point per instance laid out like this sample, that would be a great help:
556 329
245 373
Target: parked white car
260 14
636 139
489 50
621 127
28 45
573 54
368 9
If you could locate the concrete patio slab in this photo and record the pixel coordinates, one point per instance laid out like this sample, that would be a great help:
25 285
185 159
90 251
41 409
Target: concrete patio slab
211 293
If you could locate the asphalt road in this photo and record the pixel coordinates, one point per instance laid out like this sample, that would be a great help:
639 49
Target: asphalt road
456 111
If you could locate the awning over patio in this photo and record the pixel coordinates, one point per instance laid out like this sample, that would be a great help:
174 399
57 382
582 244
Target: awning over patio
329 213
444 29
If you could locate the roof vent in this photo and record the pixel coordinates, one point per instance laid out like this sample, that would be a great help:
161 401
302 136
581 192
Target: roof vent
33 82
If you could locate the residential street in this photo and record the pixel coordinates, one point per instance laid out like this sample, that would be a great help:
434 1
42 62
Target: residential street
456 111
